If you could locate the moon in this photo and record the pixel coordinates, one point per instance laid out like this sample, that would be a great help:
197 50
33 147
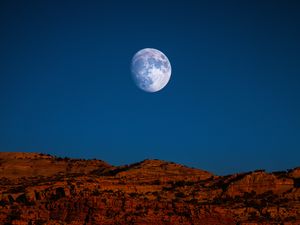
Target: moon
151 69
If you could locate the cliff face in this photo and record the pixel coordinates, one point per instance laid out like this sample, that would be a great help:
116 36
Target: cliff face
41 189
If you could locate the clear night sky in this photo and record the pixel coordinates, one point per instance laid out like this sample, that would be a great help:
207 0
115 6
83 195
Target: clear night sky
232 104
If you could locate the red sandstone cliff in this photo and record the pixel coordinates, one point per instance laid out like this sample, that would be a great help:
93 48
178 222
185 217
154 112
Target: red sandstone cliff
40 189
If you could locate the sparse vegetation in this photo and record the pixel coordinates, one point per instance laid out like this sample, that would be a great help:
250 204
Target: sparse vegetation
137 194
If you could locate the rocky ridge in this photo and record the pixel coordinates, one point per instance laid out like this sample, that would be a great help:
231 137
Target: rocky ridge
38 189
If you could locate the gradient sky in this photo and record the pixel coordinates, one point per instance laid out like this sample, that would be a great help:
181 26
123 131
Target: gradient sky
232 104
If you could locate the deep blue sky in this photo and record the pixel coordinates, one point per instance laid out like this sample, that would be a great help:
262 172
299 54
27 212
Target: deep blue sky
232 104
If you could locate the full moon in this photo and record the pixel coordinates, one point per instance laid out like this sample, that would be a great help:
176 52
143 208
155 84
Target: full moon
151 69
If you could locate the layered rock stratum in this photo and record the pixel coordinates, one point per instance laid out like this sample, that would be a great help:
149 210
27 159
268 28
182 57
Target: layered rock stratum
38 189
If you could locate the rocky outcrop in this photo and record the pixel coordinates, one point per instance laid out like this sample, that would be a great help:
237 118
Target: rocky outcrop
295 173
259 182
19 164
149 192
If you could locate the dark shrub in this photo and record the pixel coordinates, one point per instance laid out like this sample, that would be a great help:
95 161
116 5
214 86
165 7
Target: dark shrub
297 182
22 199
179 195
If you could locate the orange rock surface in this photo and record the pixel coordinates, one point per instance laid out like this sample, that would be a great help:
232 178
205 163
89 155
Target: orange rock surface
38 189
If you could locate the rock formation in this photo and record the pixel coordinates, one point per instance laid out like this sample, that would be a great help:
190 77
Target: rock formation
38 189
